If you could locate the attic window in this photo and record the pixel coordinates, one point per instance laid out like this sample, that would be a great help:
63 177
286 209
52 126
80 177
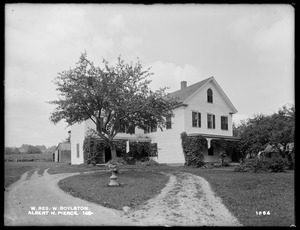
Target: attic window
209 96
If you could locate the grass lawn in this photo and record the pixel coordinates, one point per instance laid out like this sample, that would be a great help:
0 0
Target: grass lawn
137 187
243 193
14 170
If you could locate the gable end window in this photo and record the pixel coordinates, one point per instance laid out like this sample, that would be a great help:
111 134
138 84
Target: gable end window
211 121
224 123
196 119
209 96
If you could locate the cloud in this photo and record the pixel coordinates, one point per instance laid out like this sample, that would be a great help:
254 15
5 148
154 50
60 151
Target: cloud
116 25
237 118
131 42
27 119
167 74
276 44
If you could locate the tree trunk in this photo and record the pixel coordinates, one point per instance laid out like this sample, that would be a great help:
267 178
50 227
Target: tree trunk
113 151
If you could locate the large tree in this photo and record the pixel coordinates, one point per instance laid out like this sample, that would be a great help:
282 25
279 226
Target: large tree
277 129
113 96
283 131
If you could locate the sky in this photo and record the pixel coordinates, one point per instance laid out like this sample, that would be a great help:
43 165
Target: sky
248 48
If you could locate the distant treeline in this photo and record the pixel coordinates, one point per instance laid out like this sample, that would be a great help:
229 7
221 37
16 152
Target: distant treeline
30 149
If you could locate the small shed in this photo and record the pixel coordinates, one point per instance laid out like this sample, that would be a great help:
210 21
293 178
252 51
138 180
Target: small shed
63 153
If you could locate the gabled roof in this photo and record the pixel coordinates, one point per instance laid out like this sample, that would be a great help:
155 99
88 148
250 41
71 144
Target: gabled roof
183 95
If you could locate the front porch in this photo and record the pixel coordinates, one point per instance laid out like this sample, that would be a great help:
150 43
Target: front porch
211 151
100 152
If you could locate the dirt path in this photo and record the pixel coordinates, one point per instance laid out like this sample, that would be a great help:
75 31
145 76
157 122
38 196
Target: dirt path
43 191
187 200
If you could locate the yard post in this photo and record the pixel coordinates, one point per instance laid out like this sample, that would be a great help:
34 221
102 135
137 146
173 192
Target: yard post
113 178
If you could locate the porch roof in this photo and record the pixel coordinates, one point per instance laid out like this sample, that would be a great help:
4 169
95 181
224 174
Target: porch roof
131 139
218 137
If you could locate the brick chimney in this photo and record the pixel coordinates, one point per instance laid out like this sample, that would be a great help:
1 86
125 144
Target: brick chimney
183 84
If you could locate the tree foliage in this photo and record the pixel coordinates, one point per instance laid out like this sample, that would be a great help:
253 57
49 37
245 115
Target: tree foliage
11 150
33 150
111 97
277 129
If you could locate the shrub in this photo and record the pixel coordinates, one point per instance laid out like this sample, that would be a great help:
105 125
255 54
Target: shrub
192 148
264 164
117 161
278 164
226 163
127 157
241 168
150 162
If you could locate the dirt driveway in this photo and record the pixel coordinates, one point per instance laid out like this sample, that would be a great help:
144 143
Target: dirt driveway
187 200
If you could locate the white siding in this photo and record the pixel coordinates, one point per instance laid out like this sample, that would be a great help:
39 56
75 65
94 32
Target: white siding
198 103
169 140
77 137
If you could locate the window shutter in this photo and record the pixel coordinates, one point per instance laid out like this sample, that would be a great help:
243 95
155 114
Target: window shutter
226 123
194 122
199 119
214 125
208 122
221 122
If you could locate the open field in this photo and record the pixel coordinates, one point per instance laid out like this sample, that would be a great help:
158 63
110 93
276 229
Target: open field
244 194
28 157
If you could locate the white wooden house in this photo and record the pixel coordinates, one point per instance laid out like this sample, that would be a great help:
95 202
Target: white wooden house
204 110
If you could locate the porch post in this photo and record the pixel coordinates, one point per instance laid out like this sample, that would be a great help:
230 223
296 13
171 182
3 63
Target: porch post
127 146
208 142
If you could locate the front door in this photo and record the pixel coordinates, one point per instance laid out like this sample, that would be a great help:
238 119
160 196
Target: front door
107 154
211 151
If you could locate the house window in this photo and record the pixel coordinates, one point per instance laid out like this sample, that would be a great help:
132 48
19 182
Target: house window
77 150
124 127
211 121
196 119
150 128
153 150
209 96
169 122
224 123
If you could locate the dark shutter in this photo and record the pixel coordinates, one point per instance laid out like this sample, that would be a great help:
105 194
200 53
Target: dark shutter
214 125
208 121
199 119
194 119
